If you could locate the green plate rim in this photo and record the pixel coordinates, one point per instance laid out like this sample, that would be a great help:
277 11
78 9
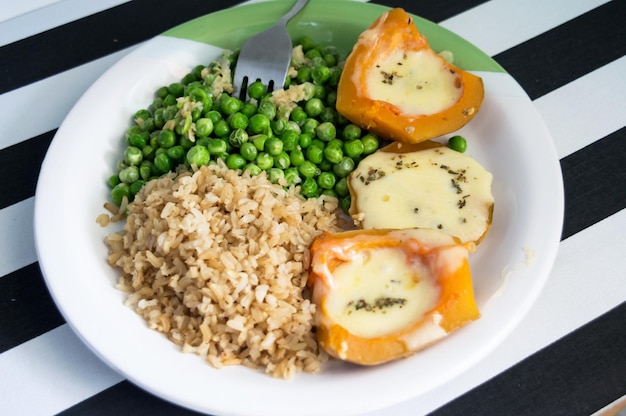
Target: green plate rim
229 28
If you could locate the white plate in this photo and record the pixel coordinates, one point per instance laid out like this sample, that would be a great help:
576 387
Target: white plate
509 268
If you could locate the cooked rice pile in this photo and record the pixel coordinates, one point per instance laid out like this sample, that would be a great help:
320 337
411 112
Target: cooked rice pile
218 262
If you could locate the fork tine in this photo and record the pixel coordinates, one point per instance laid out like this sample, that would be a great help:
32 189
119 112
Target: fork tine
266 56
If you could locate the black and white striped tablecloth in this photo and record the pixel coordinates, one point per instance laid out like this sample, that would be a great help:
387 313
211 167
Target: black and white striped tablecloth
567 357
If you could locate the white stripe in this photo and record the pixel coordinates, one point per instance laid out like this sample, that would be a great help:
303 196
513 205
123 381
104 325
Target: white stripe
42 106
50 373
498 25
586 109
17 243
45 18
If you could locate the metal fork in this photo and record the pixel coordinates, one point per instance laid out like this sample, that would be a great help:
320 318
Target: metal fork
266 56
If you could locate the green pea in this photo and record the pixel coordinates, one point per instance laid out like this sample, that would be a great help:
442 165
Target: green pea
329 115
457 143
275 174
333 154
169 100
308 169
189 78
221 128
282 160
238 137
253 169
256 90
145 170
159 118
314 107
267 108
331 60
118 193
273 146
133 155
320 74
298 115
344 167
341 187
335 74
309 187
326 180
353 148
148 152
351 132
176 89
238 120
320 92
198 156
314 154
345 203
326 131
279 125
113 180
325 165
213 115
129 174
204 127
318 143
186 142
162 92
292 125
259 123
370 143
231 105
304 75
296 157
176 152
136 186
307 43
235 161
305 140
312 54
259 141
249 109
292 176
265 161
331 98
166 138
183 124
163 163
217 146
290 140
249 151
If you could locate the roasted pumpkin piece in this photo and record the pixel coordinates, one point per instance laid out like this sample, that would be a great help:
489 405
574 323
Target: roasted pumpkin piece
395 85
386 294
424 185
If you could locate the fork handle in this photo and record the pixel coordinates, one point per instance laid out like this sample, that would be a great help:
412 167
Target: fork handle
294 10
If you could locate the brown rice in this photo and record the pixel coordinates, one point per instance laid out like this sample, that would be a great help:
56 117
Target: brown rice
218 262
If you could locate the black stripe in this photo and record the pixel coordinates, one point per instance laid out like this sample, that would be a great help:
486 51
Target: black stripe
64 47
569 51
19 168
126 399
435 11
595 182
575 376
26 307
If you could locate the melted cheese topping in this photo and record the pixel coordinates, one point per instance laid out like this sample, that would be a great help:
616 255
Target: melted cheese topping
435 188
380 292
417 83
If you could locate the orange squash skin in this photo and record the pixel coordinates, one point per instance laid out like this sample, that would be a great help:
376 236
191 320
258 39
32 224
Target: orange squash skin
395 30
456 306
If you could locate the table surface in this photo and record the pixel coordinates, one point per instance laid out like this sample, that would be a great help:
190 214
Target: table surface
567 356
